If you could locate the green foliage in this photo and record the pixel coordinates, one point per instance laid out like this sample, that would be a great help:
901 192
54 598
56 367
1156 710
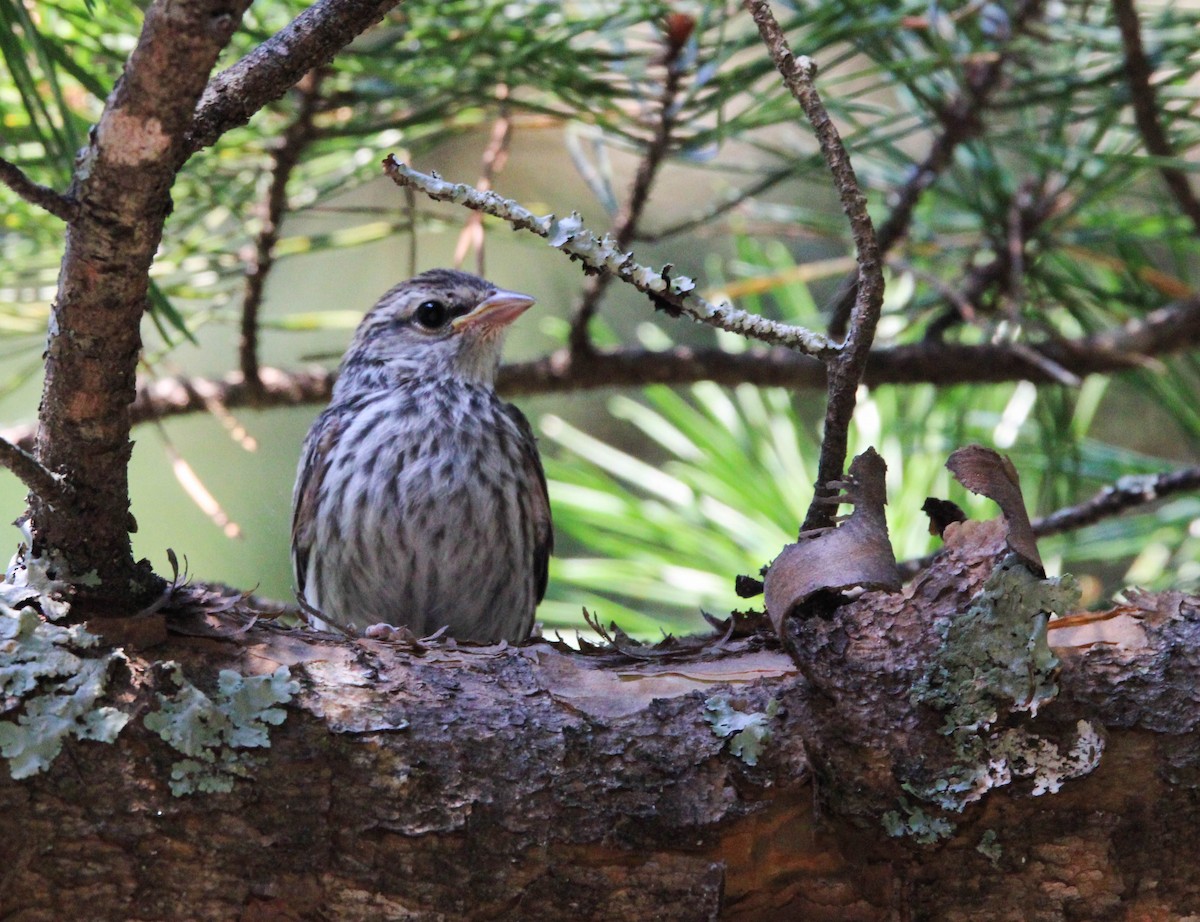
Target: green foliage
212 731
746 732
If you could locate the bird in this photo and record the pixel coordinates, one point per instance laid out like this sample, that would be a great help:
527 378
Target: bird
420 498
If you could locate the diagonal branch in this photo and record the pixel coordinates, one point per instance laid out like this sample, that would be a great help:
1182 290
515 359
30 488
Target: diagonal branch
675 295
284 159
846 367
29 471
44 197
1145 109
1127 493
270 70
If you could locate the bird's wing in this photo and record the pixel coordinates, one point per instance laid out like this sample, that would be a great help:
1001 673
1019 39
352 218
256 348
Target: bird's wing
543 545
313 465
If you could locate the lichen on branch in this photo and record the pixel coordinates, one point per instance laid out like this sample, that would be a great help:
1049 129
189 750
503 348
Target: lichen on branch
674 294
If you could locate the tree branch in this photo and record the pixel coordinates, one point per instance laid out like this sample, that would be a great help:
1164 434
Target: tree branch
123 192
1169 330
52 489
270 70
43 197
625 225
284 159
1126 494
1145 109
847 366
676 295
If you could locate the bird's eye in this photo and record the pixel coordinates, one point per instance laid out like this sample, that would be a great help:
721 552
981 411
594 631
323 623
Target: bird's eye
431 314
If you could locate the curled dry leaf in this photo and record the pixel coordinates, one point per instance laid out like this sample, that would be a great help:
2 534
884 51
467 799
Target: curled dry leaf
989 473
856 553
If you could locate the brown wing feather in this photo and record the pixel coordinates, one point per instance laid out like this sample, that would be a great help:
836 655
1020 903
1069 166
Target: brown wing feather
543 527
321 438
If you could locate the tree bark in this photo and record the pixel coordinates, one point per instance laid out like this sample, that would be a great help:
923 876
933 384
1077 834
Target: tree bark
535 783
122 189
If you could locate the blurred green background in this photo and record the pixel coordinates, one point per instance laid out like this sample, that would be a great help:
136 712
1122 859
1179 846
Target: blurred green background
660 497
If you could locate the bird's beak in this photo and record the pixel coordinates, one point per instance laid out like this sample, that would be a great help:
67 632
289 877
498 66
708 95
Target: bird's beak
498 309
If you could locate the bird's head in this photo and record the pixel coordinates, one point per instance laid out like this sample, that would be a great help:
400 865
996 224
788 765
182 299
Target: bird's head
440 323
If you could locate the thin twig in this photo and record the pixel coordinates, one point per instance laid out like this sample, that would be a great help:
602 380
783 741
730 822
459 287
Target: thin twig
1145 109
961 120
846 367
284 159
36 194
626 222
191 484
495 155
53 490
1127 493
673 294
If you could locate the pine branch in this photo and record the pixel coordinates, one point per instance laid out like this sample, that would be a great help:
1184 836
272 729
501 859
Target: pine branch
43 197
1126 494
1138 73
961 119
270 70
52 489
1162 332
625 225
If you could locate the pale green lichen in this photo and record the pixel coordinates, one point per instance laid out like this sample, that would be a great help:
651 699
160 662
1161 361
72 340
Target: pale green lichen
914 822
51 676
746 733
989 846
214 732
995 660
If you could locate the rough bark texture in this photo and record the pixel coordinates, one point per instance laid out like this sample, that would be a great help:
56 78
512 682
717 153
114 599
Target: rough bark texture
122 190
530 783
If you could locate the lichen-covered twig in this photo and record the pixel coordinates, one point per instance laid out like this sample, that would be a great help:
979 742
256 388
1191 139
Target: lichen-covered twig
674 294
847 366
35 193
1123 495
1138 72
